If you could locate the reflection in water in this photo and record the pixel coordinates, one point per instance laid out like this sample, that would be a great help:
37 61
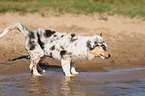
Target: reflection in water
35 86
65 88
55 84
52 86
68 87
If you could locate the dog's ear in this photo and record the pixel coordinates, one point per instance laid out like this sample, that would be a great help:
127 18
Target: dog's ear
101 34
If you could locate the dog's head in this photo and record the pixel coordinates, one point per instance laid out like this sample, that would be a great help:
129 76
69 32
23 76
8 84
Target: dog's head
98 47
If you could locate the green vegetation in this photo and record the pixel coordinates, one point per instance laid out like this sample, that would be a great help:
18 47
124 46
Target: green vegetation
129 8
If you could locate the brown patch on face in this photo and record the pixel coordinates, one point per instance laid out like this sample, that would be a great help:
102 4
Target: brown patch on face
98 52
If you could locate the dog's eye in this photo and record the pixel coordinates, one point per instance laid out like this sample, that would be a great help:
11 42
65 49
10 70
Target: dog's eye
104 47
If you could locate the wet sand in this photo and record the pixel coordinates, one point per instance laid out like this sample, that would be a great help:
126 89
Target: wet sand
103 73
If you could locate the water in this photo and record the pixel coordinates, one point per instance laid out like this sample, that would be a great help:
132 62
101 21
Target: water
53 83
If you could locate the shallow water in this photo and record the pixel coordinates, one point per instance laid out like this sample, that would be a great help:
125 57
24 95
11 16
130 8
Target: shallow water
53 83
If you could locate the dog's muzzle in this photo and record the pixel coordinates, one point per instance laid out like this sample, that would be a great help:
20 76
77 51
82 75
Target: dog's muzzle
105 57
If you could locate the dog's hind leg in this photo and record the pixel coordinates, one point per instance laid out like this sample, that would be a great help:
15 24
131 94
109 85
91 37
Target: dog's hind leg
35 58
33 67
73 70
39 68
66 66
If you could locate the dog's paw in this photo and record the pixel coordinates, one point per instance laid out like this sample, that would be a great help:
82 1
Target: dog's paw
36 73
43 71
75 73
69 75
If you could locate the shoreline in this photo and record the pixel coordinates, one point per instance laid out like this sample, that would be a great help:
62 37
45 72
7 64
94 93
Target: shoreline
99 74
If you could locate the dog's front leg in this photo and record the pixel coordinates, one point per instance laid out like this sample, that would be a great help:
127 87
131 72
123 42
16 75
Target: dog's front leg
73 70
66 66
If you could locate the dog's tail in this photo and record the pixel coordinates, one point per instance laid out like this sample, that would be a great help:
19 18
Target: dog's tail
16 25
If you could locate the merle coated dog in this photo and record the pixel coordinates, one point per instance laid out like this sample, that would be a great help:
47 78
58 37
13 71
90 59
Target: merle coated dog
66 47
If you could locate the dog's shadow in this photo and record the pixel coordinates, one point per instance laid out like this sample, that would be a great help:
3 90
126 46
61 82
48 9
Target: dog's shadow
43 65
21 57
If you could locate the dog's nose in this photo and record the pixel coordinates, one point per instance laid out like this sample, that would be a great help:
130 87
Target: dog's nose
109 55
